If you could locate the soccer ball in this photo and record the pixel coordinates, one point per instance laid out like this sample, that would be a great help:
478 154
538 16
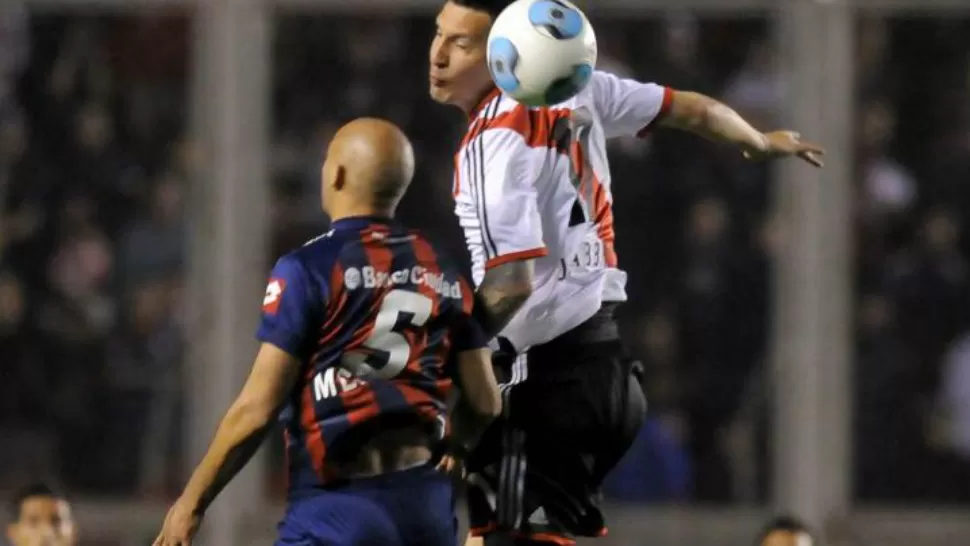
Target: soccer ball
541 52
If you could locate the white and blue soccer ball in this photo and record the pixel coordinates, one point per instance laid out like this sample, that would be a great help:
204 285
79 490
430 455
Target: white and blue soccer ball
541 52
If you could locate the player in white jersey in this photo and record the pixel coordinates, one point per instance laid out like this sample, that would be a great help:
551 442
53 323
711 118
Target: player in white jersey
532 194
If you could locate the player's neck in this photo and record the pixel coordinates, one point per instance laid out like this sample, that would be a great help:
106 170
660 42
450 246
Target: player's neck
358 212
483 99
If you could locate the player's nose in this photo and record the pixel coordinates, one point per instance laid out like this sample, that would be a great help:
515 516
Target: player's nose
439 57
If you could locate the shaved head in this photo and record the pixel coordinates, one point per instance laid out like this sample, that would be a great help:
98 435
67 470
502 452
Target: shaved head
368 168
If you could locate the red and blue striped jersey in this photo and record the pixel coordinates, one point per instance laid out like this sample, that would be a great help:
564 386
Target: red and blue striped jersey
374 313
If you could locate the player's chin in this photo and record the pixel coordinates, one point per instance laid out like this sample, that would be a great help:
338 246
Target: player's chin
439 94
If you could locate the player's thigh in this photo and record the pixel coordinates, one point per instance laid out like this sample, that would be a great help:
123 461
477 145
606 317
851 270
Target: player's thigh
579 417
629 419
336 519
579 394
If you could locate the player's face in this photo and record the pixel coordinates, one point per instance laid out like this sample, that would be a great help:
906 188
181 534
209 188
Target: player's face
786 538
44 521
459 74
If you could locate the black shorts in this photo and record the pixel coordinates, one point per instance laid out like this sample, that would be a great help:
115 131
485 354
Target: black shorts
572 408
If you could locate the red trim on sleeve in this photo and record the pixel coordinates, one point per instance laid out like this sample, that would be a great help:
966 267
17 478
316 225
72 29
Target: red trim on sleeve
516 256
664 110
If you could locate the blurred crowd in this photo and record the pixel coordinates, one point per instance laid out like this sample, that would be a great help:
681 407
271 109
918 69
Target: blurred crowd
94 165
92 174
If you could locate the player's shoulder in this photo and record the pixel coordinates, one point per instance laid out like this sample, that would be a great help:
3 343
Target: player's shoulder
437 251
504 122
498 118
318 253
509 128
452 264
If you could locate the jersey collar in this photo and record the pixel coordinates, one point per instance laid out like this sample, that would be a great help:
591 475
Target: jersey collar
489 97
360 222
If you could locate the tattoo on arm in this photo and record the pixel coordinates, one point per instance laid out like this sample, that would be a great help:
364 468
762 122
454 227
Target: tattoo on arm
502 292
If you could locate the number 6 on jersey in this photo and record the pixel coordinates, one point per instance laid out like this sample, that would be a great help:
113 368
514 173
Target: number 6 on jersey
386 352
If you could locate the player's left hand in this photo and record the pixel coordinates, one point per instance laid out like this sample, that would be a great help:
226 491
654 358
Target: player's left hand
452 465
181 525
788 144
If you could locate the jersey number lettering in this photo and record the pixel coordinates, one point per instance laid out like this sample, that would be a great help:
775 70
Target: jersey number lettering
386 352
589 255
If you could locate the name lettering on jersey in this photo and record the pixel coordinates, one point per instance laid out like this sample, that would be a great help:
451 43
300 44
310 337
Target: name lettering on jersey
274 294
369 277
332 382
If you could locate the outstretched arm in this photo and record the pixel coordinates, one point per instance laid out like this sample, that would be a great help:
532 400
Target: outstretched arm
242 429
628 107
238 437
288 306
716 121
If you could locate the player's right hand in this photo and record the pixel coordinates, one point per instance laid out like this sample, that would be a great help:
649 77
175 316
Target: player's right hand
788 144
181 525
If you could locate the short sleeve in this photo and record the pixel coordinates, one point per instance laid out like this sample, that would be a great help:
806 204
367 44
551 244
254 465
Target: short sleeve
469 335
628 107
509 215
291 307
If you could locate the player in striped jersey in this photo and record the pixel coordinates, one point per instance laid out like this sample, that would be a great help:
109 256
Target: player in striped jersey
532 194
359 330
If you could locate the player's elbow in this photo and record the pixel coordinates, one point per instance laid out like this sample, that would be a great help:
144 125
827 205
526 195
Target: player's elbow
485 403
478 385
488 404
251 413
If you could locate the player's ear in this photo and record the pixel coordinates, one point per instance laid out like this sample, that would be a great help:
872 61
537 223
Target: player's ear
339 177
11 533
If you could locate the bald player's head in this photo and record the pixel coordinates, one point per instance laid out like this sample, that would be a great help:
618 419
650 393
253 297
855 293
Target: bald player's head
368 167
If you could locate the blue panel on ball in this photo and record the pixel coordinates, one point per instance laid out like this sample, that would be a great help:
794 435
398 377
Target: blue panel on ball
582 74
560 20
503 58
566 88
